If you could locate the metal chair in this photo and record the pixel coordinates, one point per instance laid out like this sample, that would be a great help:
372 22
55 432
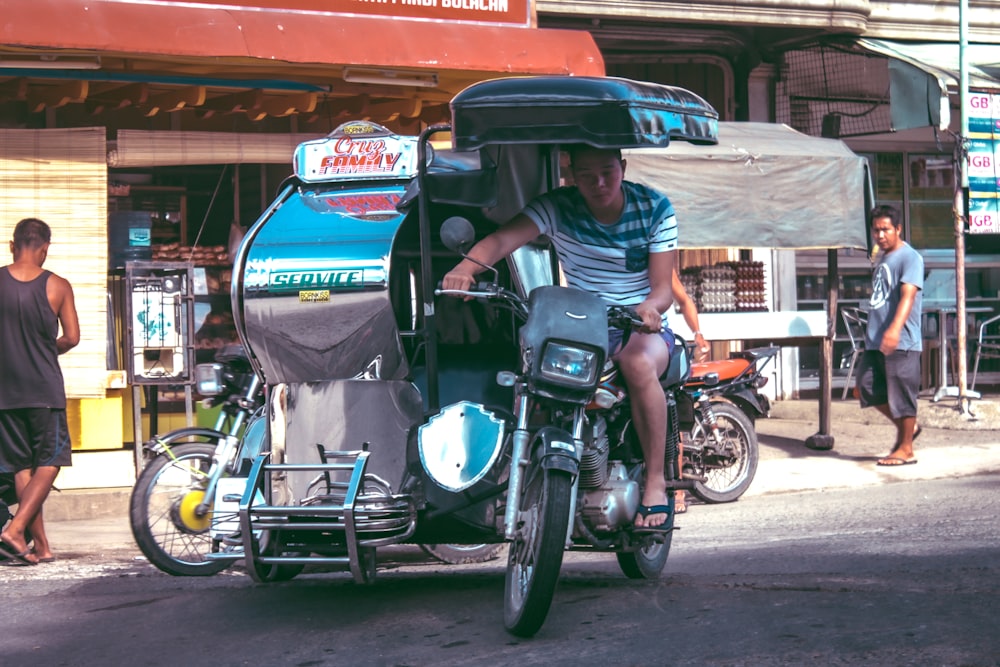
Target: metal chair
856 322
987 345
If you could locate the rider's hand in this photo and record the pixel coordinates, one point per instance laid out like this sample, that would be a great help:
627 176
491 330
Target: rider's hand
458 280
652 322
701 348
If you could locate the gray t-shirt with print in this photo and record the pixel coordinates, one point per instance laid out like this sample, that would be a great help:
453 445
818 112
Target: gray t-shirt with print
903 265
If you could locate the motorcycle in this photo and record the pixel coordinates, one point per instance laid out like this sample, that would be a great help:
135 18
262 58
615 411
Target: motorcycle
581 471
182 506
172 508
719 405
398 414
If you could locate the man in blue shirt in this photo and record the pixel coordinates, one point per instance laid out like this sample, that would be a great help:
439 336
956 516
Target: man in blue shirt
889 371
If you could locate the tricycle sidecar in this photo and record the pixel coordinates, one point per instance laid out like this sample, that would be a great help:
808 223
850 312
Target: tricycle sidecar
397 414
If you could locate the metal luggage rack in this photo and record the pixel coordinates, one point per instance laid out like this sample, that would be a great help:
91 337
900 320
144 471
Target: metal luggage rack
362 507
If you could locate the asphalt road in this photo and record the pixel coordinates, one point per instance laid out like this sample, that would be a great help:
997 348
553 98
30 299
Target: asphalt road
895 574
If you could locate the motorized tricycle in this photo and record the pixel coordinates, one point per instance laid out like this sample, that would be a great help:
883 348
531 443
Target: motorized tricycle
398 414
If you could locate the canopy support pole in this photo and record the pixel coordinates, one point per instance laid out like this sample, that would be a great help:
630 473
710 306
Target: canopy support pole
823 439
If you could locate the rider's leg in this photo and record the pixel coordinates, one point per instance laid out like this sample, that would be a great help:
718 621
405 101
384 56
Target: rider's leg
642 362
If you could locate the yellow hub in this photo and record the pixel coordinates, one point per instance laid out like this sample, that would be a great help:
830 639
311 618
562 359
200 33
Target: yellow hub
188 516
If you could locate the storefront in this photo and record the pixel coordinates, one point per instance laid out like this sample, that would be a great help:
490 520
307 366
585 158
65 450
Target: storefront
158 131
898 105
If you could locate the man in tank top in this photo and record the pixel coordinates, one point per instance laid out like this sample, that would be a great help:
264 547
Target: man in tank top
34 440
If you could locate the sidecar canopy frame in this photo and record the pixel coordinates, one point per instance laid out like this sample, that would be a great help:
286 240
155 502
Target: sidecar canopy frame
606 112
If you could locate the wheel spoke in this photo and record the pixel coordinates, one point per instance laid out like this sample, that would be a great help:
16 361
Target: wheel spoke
172 537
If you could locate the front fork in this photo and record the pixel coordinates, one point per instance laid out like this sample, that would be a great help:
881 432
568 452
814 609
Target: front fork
518 463
521 458
220 459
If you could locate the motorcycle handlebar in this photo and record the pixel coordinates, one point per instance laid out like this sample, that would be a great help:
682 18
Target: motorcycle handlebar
481 289
624 318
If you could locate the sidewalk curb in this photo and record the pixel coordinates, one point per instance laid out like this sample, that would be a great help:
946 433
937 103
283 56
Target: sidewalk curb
982 414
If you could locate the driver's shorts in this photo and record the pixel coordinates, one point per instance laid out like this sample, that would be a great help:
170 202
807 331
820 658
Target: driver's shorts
615 340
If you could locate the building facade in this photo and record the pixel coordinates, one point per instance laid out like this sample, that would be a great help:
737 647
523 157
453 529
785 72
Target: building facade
184 114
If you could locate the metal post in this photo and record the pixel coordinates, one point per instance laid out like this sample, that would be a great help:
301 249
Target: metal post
962 184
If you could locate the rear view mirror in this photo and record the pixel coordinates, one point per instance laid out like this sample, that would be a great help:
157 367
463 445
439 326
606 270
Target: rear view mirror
457 234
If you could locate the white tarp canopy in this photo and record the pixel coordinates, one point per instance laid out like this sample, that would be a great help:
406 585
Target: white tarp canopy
764 185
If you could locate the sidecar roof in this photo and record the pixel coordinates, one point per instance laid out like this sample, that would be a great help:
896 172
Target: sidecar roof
605 112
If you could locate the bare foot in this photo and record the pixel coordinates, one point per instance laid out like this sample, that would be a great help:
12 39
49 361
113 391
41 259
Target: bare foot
680 502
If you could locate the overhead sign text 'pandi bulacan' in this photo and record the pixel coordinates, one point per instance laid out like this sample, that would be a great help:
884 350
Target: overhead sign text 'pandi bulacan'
505 12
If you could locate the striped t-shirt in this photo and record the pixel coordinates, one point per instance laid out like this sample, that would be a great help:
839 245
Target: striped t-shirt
611 261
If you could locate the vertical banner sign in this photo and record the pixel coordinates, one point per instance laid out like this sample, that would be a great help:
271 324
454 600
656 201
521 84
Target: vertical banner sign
983 113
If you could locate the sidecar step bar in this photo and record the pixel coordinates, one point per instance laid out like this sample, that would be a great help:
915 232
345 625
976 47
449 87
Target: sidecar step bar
358 514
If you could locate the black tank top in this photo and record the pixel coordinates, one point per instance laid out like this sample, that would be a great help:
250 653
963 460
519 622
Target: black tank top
30 376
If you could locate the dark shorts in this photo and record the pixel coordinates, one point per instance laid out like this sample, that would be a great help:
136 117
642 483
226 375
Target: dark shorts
892 381
31 438
615 340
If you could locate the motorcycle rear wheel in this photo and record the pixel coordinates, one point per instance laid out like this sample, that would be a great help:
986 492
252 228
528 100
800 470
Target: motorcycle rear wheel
536 554
727 483
165 528
649 560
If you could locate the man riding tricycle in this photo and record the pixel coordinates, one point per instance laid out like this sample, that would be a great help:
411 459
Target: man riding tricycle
422 390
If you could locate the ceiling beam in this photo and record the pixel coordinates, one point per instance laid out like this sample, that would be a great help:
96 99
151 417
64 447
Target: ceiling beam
53 97
280 106
391 110
175 100
113 97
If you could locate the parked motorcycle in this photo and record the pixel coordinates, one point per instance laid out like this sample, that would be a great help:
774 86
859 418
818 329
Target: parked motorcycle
171 505
719 406
179 510
397 414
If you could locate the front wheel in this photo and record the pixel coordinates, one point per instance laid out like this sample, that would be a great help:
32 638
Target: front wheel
536 554
162 512
728 465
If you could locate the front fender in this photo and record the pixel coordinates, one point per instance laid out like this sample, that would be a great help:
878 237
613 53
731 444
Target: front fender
157 446
553 448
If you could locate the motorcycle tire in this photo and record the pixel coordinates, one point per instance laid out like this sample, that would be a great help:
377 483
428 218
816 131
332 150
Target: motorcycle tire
648 561
726 484
167 532
462 554
536 554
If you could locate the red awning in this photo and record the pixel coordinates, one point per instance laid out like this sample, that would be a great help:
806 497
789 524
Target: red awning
186 32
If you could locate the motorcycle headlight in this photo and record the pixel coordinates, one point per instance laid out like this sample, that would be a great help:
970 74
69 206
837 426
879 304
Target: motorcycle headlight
564 364
209 380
